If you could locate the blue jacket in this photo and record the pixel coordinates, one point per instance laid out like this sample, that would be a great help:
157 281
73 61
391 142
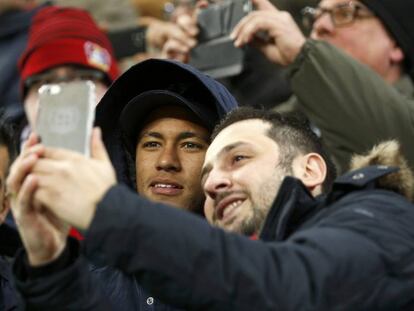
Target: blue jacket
8 297
14 26
351 250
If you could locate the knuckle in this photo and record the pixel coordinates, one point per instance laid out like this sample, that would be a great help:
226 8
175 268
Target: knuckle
65 170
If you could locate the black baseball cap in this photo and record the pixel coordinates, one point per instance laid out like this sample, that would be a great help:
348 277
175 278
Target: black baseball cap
135 113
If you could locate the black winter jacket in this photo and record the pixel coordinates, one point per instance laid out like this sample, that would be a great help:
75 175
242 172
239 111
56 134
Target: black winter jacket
8 297
350 250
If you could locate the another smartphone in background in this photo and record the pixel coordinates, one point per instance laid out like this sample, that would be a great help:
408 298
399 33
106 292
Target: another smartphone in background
66 115
215 53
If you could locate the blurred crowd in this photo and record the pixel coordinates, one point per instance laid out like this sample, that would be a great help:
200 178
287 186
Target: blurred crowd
244 155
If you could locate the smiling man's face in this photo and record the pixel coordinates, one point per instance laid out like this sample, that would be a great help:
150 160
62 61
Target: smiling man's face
241 177
169 156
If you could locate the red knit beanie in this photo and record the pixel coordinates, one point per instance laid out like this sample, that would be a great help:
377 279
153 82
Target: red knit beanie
64 36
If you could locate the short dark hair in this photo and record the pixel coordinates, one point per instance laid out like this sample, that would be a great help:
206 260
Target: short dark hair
8 136
293 135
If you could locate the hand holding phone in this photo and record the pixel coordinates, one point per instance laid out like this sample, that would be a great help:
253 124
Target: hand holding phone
215 53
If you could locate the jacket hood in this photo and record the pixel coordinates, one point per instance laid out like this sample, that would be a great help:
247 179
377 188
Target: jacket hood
153 75
388 154
157 74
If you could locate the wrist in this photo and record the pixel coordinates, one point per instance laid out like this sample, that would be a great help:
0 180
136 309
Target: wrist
68 256
299 47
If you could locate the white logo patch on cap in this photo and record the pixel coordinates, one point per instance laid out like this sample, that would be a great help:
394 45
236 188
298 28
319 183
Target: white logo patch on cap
97 56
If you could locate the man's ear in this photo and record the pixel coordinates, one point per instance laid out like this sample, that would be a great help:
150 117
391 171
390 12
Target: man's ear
311 170
396 55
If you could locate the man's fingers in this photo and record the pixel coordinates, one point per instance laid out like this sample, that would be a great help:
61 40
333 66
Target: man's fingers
47 167
241 29
60 154
31 141
173 50
264 5
19 171
180 36
245 31
98 150
188 24
36 149
261 25
173 47
25 195
45 197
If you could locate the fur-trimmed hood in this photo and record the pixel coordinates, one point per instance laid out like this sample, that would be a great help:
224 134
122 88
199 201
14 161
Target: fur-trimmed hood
389 153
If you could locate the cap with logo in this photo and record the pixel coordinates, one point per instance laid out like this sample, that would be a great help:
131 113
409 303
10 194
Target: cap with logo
66 36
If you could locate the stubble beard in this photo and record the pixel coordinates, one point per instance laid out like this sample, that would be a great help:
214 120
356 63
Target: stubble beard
262 202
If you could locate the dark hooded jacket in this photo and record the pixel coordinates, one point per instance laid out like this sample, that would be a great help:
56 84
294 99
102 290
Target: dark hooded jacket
10 242
350 250
121 291
14 27
153 74
8 299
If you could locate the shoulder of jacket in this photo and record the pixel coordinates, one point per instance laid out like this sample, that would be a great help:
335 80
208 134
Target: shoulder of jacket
383 167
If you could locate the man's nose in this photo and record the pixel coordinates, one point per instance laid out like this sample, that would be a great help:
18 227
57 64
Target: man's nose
322 27
216 182
169 160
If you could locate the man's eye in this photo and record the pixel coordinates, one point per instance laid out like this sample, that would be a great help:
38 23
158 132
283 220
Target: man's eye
238 158
191 146
46 81
151 145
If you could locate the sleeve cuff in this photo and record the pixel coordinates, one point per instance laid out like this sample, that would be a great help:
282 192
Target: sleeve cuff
24 271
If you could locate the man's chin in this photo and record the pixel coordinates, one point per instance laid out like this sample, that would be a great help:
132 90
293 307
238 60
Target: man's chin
173 201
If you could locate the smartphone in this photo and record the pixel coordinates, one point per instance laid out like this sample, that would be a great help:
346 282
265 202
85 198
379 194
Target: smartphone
128 42
215 53
66 115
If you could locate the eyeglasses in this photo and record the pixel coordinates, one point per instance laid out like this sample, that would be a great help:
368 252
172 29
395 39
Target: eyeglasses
37 81
341 15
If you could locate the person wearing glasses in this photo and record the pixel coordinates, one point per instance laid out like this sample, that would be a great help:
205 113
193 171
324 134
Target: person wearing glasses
261 83
353 77
64 45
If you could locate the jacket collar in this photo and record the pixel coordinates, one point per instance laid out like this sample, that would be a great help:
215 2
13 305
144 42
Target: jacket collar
294 204
364 178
